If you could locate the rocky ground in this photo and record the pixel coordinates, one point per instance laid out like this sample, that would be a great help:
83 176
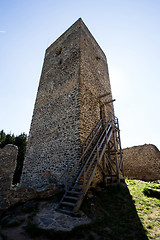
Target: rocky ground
111 213
43 214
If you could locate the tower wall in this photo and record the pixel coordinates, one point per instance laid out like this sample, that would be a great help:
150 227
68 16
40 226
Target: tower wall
67 106
94 82
54 134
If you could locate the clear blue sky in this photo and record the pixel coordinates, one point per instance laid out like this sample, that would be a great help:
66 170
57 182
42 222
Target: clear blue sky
128 31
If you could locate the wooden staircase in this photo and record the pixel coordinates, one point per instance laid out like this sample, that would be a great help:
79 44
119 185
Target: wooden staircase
102 143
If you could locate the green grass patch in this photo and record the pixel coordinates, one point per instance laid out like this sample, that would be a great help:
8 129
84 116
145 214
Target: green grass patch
147 203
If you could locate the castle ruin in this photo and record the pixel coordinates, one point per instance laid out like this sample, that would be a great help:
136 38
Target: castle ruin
74 94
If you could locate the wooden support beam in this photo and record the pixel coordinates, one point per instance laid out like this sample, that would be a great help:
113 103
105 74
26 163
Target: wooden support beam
107 164
104 95
101 168
111 164
110 101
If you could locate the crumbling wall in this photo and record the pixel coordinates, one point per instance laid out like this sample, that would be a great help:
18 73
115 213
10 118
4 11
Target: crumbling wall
8 157
142 162
11 197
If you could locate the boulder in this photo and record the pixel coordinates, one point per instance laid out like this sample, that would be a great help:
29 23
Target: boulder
8 161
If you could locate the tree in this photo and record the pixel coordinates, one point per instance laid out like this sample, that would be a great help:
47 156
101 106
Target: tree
20 142
6 139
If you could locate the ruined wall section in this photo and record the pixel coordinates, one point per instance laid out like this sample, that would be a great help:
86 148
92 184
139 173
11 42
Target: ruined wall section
8 161
142 162
54 139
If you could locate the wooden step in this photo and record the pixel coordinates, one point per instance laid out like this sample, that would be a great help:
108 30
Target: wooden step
72 198
76 188
81 180
68 204
73 192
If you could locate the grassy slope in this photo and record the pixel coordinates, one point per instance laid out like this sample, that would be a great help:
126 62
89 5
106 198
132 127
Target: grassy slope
148 208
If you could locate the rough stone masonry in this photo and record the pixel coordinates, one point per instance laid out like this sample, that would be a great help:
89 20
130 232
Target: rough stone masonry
8 157
142 162
69 104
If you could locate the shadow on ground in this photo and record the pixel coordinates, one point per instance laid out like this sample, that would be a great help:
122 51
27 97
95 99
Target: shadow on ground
112 210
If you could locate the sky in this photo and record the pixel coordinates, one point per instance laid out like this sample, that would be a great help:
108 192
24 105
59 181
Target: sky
128 31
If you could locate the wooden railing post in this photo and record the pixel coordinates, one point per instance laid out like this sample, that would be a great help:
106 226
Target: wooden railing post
106 135
97 154
84 180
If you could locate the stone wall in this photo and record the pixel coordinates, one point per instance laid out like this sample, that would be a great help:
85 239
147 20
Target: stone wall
94 82
67 107
54 139
8 157
142 162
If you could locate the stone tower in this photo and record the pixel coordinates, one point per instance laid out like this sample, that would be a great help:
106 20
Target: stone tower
72 95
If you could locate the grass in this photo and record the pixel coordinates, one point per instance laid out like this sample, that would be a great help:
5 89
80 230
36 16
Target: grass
147 205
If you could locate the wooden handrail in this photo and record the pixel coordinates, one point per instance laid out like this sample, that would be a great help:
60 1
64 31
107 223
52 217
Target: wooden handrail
104 132
98 125
94 129
84 152
80 177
